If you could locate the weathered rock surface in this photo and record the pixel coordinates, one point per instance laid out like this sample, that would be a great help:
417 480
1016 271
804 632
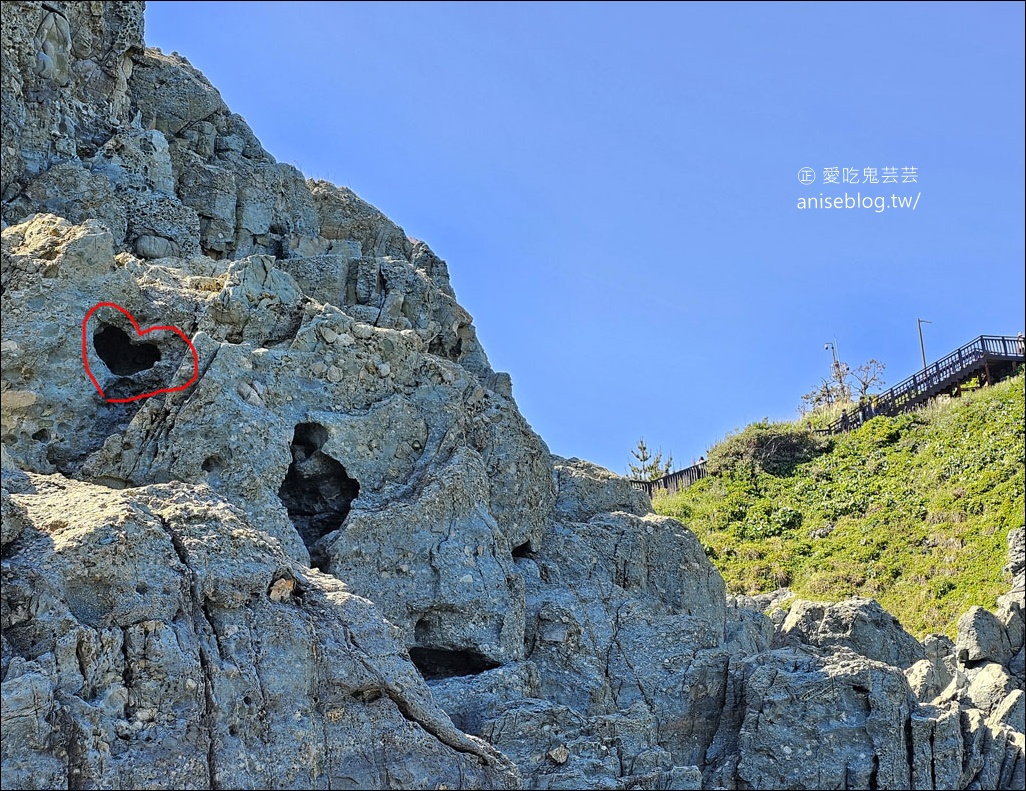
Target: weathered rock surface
930 676
341 558
860 625
180 648
981 638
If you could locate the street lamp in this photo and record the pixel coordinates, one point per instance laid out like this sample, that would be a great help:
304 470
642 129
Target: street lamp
832 346
840 372
922 349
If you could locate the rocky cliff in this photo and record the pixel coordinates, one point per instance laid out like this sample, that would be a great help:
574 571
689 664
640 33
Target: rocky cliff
329 552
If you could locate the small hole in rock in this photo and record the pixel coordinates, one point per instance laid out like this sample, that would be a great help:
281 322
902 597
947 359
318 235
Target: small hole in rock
440 663
121 355
367 695
523 550
316 491
42 435
141 588
247 700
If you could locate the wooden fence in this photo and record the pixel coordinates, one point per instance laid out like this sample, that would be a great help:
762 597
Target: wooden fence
985 356
674 481
988 356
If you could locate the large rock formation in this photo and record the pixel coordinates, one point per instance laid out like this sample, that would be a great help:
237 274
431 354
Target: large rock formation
340 558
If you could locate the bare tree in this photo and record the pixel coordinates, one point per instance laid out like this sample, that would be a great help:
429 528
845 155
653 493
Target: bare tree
822 395
838 388
869 375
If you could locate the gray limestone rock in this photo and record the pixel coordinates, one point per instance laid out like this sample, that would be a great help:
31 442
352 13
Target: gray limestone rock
794 720
1016 566
331 552
1017 665
928 678
982 637
1010 711
156 621
585 489
137 161
762 602
170 94
989 687
343 216
76 194
861 625
152 246
65 83
938 646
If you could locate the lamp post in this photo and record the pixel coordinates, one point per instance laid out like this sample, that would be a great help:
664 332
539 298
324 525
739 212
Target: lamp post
832 346
922 348
833 350
839 369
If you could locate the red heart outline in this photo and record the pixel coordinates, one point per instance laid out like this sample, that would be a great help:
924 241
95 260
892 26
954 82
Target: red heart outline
140 332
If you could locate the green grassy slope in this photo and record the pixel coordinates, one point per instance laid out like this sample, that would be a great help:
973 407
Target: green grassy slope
913 511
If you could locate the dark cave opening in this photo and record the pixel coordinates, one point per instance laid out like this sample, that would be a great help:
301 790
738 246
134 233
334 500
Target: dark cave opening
524 550
121 355
436 663
316 491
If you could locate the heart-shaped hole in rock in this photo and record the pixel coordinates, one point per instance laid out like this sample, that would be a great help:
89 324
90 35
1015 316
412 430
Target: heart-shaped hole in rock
126 355
120 354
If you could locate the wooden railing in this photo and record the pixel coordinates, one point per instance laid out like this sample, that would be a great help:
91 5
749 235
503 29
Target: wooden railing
674 481
940 377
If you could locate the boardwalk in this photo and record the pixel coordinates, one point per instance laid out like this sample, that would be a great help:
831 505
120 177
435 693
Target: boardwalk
988 358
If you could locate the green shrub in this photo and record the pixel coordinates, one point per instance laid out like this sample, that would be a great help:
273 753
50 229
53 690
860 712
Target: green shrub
912 510
773 448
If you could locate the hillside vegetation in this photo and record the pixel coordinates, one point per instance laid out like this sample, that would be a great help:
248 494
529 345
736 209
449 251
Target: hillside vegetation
913 511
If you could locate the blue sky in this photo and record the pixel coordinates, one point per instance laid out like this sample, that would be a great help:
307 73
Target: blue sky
615 186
